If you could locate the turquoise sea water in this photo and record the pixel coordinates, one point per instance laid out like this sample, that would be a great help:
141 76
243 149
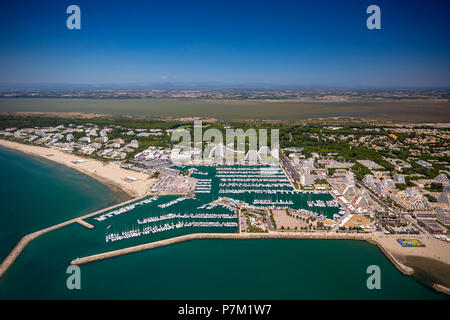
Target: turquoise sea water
37 193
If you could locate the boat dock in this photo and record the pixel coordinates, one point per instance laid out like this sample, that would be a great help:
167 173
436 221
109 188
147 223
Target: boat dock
85 224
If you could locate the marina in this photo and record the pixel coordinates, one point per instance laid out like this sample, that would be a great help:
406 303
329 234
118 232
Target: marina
192 154
187 216
257 191
203 185
272 203
219 191
137 232
264 187
171 203
121 210
214 206
323 204
73 241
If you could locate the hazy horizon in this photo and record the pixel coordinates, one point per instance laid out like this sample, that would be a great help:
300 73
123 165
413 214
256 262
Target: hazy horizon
202 85
269 43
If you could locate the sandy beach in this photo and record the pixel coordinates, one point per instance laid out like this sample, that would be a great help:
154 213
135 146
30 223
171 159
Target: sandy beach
434 249
104 172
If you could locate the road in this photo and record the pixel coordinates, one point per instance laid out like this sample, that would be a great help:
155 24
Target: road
293 174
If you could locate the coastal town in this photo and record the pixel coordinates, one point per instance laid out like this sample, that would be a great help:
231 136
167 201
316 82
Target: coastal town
396 192
225 159
389 183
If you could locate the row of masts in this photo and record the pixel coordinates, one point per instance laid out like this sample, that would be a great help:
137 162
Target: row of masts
187 216
135 232
124 209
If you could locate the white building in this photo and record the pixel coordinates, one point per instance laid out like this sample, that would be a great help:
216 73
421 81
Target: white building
85 139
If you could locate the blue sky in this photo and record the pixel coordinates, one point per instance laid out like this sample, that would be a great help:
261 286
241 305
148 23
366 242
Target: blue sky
304 43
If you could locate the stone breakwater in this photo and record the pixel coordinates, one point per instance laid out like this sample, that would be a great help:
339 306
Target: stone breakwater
237 236
407 271
21 245
441 288
242 236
